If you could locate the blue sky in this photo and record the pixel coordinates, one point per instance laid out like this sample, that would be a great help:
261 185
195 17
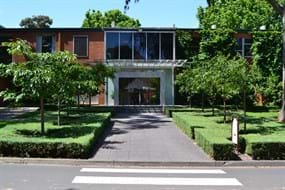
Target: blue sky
70 13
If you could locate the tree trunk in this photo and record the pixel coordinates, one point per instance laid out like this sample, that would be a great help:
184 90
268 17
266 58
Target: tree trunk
189 101
203 102
58 112
244 110
225 111
42 115
78 100
89 100
213 109
281 117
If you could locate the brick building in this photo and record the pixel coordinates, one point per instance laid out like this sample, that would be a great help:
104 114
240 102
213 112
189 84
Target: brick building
145 58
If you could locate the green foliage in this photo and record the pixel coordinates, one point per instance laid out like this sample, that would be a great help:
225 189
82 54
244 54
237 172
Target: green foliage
239 14
211 138
263 139
54 77
39 21
186 48
269 61
219 41
97 19
75 139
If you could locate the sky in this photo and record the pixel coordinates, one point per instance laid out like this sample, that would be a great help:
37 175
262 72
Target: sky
70 13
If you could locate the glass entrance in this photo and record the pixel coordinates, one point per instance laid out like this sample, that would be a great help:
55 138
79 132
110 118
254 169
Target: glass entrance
139 91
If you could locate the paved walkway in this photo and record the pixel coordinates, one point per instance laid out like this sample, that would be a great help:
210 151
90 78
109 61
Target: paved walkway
147 137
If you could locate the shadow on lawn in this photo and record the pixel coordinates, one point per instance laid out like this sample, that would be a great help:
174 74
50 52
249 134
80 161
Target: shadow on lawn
64 132
263 130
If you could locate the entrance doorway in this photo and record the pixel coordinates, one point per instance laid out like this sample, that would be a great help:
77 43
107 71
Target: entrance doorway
139 91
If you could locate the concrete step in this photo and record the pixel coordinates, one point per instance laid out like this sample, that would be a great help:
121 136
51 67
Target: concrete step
138 109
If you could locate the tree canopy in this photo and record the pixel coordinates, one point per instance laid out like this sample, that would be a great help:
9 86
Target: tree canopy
239 14
39 21
98 19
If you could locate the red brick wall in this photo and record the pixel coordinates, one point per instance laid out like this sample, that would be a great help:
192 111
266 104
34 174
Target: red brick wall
64 41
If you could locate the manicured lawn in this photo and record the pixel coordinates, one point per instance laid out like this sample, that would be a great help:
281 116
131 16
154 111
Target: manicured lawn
263 139
74 138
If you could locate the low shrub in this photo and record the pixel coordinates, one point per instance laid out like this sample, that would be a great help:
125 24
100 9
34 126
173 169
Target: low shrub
213 140
23 139
266 150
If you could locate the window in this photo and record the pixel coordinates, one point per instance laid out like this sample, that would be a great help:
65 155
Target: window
80 47
139 46
153 46
112 45
166 46
247 47
5 57
46 44
126 41
244 47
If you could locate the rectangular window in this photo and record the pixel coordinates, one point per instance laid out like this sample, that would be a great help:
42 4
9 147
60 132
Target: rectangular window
126 43
247 47
46 44
166 46
80 47
112 45
243 47
152 46
139 46
5 57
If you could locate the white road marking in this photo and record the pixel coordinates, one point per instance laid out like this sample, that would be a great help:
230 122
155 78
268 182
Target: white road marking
157 181
160 171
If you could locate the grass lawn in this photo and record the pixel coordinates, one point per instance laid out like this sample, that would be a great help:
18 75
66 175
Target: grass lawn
74 138
263 135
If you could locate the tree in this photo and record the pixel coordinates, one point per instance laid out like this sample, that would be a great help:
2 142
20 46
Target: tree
239 14
2 26
279 7
39 21
32 79
97 19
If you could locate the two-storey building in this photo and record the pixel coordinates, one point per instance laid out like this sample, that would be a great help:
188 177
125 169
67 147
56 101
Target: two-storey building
144 58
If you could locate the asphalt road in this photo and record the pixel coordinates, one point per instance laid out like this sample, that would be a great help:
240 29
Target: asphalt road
43 177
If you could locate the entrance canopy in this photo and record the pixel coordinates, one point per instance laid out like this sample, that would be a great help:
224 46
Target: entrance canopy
142 63
146 63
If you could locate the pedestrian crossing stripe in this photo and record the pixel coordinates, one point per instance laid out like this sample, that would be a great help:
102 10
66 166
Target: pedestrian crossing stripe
157 181
152 171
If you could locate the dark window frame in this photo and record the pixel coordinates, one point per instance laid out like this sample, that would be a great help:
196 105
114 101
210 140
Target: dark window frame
87 46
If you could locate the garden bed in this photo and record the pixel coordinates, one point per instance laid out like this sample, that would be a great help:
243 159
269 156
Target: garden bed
264 137
75 138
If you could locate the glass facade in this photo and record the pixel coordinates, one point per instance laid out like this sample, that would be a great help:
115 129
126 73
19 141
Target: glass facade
152 46
166 46
112 45
126 44
139 45
139 91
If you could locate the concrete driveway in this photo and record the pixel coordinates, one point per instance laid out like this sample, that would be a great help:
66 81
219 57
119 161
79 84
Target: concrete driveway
146 137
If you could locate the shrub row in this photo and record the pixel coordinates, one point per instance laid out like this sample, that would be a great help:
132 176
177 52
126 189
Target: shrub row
266 150
53 149
212 141
217 148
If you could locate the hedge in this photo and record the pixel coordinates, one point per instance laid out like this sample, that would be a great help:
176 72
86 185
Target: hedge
59 147
266 150
212 140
